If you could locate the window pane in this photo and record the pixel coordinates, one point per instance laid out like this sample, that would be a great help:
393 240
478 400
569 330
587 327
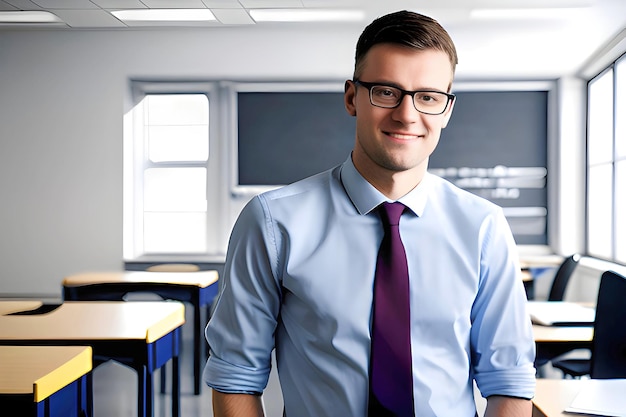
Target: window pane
600 210
175 189
177 109
175 232
620 108
600 140
178 143
620 211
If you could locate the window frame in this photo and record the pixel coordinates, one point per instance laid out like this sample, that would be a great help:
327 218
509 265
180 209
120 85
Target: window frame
617 218
136 161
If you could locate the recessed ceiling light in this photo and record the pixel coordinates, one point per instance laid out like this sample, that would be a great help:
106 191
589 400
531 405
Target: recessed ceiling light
165 15
306 15
29 17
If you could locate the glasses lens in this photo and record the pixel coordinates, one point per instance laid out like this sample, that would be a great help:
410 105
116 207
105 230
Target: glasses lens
384 96
430 102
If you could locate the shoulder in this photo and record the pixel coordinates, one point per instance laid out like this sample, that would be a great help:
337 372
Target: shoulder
456 198
311 192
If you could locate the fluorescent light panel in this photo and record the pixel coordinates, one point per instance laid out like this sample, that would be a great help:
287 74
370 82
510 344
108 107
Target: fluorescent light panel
306 15
29 17
165 15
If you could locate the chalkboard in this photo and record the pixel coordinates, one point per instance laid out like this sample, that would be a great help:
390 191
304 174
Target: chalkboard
494 146
287 136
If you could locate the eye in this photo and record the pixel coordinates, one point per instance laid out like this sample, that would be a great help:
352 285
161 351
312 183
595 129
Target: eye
385 93
429 98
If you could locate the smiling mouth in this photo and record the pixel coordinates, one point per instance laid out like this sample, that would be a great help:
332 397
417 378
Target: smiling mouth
402 136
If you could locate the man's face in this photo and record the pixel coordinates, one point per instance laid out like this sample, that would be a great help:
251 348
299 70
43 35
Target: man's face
399 139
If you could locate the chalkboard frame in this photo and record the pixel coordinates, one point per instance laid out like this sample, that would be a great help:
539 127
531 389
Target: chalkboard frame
232 93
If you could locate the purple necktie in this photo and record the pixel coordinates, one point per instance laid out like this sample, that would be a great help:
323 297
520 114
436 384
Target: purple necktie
391 380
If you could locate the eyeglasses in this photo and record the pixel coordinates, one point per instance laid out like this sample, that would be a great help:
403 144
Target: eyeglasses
390 97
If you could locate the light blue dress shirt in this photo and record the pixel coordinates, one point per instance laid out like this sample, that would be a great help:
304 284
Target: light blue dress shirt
299 278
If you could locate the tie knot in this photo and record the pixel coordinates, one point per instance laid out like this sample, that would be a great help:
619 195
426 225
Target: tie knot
391 212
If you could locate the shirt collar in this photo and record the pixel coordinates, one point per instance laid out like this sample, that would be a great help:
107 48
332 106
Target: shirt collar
366 198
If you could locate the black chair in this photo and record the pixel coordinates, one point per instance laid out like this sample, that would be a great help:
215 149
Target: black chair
562 276
557 291
608 357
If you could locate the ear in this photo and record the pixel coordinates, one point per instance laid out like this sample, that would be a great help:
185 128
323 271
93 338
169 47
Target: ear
349 97
447 114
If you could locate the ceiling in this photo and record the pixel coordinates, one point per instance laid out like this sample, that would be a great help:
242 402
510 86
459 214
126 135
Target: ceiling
560 39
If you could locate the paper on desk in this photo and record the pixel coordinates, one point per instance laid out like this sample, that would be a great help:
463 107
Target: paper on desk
601 397
555 313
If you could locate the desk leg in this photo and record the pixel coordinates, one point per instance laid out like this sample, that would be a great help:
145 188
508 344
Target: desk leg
89 411
145 397
163 378
141 391
175 387
149 394
197 348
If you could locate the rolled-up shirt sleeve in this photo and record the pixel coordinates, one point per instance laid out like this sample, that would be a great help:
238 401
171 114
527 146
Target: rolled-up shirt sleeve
503 346
241 330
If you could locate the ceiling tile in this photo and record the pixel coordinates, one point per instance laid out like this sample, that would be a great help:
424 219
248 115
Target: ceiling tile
66 4
271 4
233 16
88 18
222 4
119 4
7 7
23 4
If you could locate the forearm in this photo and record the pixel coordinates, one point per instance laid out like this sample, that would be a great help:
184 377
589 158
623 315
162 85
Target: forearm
237 405
500 406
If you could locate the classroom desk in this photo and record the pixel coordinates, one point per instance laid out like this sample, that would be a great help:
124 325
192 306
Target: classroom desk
141 335
46 381
197 288
553 341
14 306
553 396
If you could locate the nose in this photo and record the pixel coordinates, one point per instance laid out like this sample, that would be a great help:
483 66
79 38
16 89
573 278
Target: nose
406 112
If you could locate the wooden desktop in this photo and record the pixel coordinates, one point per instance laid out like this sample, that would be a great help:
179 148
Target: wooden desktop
197 288
141 335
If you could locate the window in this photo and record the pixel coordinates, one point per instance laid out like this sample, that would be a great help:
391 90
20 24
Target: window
606 164
166 171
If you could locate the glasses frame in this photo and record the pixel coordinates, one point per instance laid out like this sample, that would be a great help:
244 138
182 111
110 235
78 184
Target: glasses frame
369 87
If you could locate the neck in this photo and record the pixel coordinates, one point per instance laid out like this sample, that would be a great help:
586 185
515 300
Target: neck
392 184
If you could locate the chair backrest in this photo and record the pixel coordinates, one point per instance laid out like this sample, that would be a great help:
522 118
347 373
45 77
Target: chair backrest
608 359
562 276
173 268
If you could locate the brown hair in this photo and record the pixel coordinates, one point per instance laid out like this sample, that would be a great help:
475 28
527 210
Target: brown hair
405 28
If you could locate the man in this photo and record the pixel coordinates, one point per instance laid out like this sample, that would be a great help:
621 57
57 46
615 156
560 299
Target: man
302 260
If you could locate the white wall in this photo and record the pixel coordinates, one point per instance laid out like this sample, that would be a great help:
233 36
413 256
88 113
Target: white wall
62 98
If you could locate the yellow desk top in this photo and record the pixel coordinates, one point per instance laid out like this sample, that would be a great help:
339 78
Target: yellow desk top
101 320
554 334
201 279
14 306
41 370
553 396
